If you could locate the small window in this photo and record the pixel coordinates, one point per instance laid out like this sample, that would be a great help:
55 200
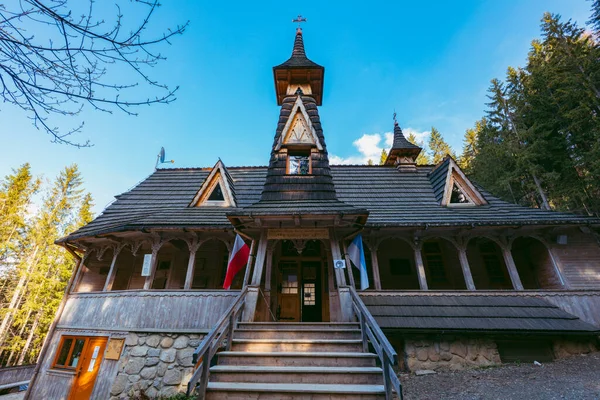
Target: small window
217 194
457 196
69 353
400 266
309 294
299 164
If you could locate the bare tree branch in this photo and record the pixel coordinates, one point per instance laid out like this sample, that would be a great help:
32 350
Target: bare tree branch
53 63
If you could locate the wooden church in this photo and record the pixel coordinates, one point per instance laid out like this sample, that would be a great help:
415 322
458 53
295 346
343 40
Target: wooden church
457 277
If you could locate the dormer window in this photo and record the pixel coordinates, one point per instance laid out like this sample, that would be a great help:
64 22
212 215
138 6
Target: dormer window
458 197
299 163
217 194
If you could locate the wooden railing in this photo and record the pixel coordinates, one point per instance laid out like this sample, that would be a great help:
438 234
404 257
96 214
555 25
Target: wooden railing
371 332
211 344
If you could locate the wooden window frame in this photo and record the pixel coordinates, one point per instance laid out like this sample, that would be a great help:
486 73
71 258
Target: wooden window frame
296 153
70 353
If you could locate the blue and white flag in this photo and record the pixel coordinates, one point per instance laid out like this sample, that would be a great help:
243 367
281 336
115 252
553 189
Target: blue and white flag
356 254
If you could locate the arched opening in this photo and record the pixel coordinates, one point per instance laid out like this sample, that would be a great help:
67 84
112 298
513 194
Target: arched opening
397 269
210 267
356 271
442 265
487 265
128 268
94 272
534 264
171 265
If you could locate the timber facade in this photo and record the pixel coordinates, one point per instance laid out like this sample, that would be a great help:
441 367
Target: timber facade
458 278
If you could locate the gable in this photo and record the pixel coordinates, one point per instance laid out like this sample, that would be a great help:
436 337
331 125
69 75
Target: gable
217 189
452 187
298 129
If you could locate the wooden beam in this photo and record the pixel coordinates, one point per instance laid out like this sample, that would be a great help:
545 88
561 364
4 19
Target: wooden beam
420 268
260 259
349 266
466 269
156 245
193 247
249 263
375 265
512 268
336 254
112 272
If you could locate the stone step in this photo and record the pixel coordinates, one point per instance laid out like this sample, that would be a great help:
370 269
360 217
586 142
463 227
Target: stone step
278 391
321 375
298 325
305 359
280 345
286 333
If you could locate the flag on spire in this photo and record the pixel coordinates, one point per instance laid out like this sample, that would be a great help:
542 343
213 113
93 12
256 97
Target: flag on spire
237 261
356 255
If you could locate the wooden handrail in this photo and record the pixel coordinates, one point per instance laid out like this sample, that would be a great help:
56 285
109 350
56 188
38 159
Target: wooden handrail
211 343
371 332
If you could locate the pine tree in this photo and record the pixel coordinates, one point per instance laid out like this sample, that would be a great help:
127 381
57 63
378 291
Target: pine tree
383 157
422 158
438 147
470 146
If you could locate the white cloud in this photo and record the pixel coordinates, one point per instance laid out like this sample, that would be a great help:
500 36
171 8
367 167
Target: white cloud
369 147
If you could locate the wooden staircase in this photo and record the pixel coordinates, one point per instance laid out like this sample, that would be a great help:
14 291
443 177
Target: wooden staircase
296 361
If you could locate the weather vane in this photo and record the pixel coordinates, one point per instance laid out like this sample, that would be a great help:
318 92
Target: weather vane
299 20
395 120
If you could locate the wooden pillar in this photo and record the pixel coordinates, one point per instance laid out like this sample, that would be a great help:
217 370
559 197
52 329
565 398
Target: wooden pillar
420 266
375 264
557 266
349 267
511 267
336 254
112 272
466 269
251 257
193 247
156 245
79 272
261 253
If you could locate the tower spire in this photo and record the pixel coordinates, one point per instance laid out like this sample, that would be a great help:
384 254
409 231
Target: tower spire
403 153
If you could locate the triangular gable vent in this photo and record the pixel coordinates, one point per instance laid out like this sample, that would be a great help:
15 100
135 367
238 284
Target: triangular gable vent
298 129
216 190
459 191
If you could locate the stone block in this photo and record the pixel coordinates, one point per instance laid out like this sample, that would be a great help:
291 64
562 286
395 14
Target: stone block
153 340
119 385
166 342
172 377
134 366
134 378
459 349
131 340
184 357
151 361
181 342
148 373
162 368
168 355
139 351
422 354
433 355
153 352
152 392
445 346
446 356
168 391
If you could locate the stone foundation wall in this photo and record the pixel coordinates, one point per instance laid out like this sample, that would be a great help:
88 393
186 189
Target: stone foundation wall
569 347
158 364
449 353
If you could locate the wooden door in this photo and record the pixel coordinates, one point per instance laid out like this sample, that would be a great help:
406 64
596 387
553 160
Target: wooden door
289 297
311 291
87 369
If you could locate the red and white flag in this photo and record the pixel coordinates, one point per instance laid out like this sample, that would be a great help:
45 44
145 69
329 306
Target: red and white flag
237 261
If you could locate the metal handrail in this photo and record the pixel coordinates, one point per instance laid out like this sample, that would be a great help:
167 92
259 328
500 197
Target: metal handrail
371 332
211 344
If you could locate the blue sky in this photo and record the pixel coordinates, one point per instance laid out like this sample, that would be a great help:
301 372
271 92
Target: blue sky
430 61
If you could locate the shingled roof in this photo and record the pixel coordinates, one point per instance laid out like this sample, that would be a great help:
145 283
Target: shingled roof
486 313
298 58
392 198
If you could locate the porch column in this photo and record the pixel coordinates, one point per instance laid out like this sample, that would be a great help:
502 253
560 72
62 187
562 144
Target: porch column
466 269
193 247
420 266
156 245
79 273
511 267
268 272
252 295
251 257
112 272
375 264
557 265
343 291
336 254
349 267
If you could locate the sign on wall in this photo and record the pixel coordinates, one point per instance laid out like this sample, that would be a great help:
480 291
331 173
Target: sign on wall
314 233
147 264
339 264
113 349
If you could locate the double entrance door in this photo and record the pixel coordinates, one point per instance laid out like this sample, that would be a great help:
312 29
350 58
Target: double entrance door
299 291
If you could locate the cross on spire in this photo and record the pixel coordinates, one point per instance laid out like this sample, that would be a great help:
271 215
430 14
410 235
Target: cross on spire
298 20
395 120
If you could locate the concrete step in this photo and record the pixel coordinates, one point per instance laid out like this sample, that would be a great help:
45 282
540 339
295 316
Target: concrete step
286 333
313 345
299 325
321 375
304 359
278 391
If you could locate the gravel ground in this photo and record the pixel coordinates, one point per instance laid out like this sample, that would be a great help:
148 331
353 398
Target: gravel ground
572 378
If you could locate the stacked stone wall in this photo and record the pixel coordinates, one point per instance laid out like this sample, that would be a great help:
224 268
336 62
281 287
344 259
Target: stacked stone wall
570 347
449 353
157 364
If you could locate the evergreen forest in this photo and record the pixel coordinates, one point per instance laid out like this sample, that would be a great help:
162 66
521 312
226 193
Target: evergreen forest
33 270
